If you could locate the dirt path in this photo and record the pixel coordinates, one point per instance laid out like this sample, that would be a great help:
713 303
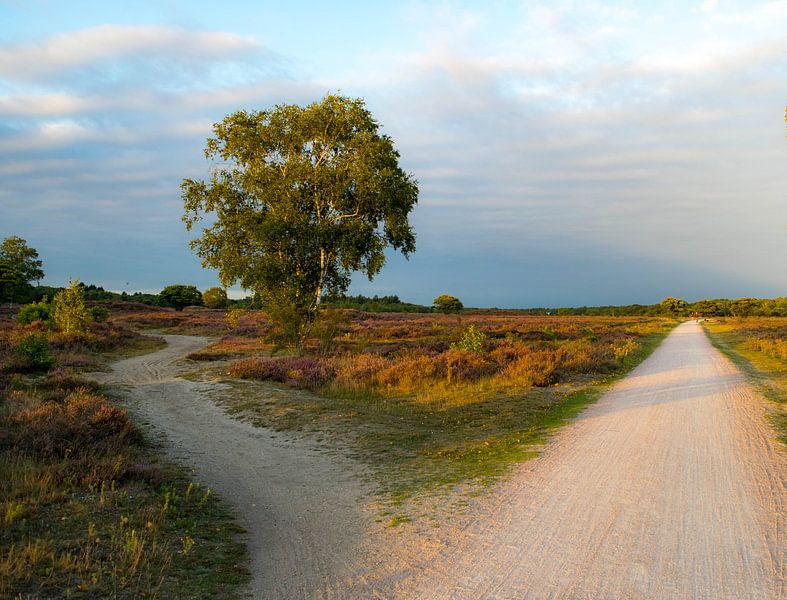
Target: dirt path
670 487
302 508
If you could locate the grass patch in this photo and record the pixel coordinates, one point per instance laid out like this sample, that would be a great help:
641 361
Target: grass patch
756 346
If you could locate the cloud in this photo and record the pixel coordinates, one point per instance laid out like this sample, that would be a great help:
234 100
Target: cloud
96 45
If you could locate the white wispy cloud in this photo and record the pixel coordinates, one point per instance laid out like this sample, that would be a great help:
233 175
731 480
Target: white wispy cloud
100 44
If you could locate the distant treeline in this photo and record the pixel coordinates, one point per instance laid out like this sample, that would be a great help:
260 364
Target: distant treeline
720 307
374 304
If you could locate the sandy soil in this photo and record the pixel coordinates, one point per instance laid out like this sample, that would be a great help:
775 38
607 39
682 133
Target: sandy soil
670 487
303 509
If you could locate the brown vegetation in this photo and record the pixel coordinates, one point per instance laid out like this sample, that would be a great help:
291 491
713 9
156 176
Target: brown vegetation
86 509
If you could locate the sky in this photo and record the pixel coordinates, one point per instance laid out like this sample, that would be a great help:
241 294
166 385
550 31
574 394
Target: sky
568 153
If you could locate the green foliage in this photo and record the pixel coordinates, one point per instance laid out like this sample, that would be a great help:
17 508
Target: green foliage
68 309
19 265
303 196
180 296
99 314
374 304
215 297
674 306
472 340
233 316
37 311
34 352
330 323
447 304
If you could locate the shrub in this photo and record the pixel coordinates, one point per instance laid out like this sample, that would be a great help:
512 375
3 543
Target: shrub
214 297
408 371
447 304
534 368
180 296
466 365
472 340
360 369
34 352
37 311
68 309
298 372
99 314
232 318
623 349
82 423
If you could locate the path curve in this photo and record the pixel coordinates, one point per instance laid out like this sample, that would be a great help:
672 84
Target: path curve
302 509
671 486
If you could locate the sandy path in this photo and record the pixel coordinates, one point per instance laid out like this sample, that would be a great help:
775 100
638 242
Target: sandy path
670 487
301 507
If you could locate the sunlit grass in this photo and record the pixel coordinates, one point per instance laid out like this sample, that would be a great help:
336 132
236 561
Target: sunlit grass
758 345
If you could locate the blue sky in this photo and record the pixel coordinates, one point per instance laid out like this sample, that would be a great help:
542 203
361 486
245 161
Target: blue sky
568 153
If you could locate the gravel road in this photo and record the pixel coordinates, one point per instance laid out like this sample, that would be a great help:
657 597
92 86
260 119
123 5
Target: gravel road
670 487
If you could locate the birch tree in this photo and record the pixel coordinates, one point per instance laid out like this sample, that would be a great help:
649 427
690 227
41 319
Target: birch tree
300 197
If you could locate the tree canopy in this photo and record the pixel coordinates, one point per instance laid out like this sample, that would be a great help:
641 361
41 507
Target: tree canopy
214 298
448 304
19 266
180 296
301 196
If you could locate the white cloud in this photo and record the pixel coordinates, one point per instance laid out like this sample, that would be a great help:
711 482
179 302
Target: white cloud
98 44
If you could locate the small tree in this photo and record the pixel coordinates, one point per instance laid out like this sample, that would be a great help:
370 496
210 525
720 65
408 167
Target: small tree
448 304
215 297
180 296
674 306
68 309
19 266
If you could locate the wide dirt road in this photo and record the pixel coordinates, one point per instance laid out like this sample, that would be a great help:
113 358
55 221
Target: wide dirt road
303 509
670 487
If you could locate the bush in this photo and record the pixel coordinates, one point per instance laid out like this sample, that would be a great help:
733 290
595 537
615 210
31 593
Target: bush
233 316
447 304
34 352
180 296
297 372
534 368
68 309
472 340
215 298
82 423
37 311
99 314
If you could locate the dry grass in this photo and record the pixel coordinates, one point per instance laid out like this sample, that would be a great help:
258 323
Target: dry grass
759 346
86 508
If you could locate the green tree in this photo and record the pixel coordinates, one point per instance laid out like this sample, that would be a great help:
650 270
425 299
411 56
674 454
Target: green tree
69 313
214 297
180 296
447 304
19 266
674 306
302 196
